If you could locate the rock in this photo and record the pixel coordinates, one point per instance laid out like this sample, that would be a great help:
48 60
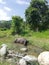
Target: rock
29 58
9 60
23 49
3 51
22 62
19 55
11 55
11 51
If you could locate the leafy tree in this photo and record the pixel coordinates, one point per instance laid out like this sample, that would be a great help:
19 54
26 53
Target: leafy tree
17 24
36 13
4 25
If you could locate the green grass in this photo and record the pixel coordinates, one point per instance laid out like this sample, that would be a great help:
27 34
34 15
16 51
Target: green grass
43 34
40 39
4 63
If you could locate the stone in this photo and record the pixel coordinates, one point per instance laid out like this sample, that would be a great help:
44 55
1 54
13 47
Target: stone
23 49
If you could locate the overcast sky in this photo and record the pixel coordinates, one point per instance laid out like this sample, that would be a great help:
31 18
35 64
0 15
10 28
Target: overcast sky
8 8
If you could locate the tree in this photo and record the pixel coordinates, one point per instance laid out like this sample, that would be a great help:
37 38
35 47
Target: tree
36 13
4 25
17 24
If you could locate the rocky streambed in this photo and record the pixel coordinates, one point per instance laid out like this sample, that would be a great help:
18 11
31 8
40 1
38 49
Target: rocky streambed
17 51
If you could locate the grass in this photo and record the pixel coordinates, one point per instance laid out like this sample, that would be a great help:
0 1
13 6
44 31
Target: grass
4 63
33 37
43 34
39 41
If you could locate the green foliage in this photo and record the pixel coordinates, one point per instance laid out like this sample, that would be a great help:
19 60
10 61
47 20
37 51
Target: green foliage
16 24
4 25
36 15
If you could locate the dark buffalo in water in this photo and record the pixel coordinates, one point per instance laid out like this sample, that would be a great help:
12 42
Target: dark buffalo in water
22 41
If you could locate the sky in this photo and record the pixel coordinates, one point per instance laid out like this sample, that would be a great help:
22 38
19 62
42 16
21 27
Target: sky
9 8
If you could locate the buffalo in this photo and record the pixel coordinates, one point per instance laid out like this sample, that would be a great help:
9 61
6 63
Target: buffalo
21 41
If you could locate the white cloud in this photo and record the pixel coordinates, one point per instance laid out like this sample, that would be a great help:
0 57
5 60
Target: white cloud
22 2
7 8
2 2
3 15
